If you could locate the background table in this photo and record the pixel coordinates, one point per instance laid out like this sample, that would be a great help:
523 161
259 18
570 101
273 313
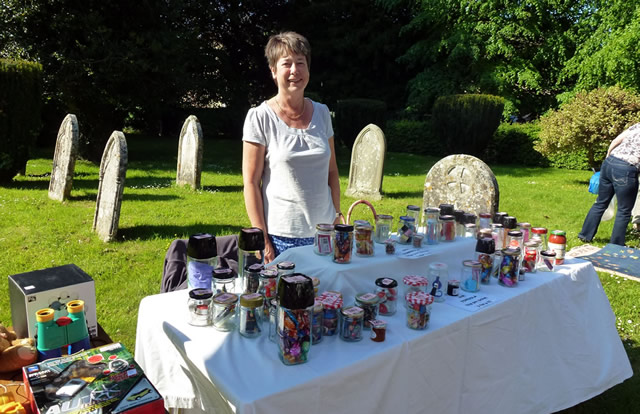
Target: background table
543 346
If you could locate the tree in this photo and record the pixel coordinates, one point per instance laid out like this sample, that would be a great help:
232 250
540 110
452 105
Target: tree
589 122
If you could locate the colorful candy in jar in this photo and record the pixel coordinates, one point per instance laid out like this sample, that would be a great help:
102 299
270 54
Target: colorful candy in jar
368 302
295 318
364 239
331 305
485 251
342 243
509 268
351 325
387 291
418 310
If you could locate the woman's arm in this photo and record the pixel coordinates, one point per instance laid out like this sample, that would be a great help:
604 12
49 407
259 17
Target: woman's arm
334 180
616 142
252 168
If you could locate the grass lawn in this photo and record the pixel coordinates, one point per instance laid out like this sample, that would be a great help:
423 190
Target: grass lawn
36 232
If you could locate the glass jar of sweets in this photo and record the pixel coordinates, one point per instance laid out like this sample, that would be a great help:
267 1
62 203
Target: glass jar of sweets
268 283
383 228
470 275
364 239
439 276
284 268
447 228
342 243
547 262
224 280
432 224
331 305
530 256
387 291
418 310
322 243
525 228
295 318
558 243
510 267
406 229
251 315
317 324
368 302
200 307
224 311
351 323
485 254
413 283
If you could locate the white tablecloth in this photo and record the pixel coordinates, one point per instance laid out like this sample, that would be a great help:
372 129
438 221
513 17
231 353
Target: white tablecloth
543 346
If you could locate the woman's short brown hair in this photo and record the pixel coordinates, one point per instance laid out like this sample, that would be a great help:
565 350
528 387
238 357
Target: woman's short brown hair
287 43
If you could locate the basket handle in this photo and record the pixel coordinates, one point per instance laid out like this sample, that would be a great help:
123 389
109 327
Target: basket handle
368 204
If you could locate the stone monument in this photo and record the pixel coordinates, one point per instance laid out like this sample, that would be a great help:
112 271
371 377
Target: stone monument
113 170
367 163
464 181
190 153
64 159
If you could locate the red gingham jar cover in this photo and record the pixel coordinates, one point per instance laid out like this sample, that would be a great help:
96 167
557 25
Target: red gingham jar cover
330 300
419 298
412 280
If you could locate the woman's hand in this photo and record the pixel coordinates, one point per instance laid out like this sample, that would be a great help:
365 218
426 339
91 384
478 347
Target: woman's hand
269 251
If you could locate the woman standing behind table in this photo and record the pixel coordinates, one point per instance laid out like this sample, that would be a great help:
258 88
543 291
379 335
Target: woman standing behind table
289 166
619 176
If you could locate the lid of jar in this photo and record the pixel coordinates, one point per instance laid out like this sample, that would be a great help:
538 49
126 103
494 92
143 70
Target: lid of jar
412 207
251 300
459 215
286 266
200 294
384 217
446 209
386 282
367 298
496 225
509 222
225 298
548 253
485 215
470 226
419 298
332 293
270 273
357 223
251 239
407 218
498 217
295 291
438 266
202 246
330 300
447 217
377 323
363 227
223 273
317 305
559 233
353 312
539 230
515 233
254 268
413 280
511 251
324 227
484 233
343 227
470 218
432 210
524 225
486 245
471 263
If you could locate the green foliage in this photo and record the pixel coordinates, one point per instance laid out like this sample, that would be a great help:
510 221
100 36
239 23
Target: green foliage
413 137
20 89
585 126
466 123
354 114
514 144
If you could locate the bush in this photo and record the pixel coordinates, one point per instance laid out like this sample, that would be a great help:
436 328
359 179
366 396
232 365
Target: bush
466 123
354 114
579 133
414 137
20 103
514 144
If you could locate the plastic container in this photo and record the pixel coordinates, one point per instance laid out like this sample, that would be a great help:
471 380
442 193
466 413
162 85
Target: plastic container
202 258
485 255
342 243
368 302
351 323
200 307
331 305
383 228
322 242
224 280
294 318
470 275
224 311
364 239
406 229
510 267
251 315
418 310
439 276
387 291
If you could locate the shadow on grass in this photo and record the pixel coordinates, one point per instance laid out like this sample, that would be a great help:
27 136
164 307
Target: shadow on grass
223 188
28 185
402 194
172 232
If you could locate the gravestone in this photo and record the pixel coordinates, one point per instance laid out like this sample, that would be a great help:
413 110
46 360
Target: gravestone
64 159
464 181
190 153
113 170
367 162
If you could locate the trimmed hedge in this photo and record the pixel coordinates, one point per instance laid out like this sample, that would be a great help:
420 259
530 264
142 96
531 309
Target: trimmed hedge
414 137
467 122
20 106
354 114
514 144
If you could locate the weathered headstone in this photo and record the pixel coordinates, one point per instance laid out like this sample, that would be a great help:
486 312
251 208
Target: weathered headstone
464 181
113 170
367 163
64 159
190 153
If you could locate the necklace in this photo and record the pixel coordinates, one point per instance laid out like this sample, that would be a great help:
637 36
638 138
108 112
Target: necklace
295 117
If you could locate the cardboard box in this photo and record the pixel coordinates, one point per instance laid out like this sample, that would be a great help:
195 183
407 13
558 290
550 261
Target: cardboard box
50 288
103 380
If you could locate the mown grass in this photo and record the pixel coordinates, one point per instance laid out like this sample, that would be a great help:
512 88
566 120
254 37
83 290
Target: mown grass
36 232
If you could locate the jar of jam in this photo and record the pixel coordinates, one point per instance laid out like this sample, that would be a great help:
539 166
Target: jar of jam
558 243
351 323
331 305
368 302
378 330
387 291
322 244
342 243
364 239
200 307
406 229
447 228
383 228
418 310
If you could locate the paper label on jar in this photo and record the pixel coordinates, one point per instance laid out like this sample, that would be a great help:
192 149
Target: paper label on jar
324 243
559 249
368 296
387 281
352 311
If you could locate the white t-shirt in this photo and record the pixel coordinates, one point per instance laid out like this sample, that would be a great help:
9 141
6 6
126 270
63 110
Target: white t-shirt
295 180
